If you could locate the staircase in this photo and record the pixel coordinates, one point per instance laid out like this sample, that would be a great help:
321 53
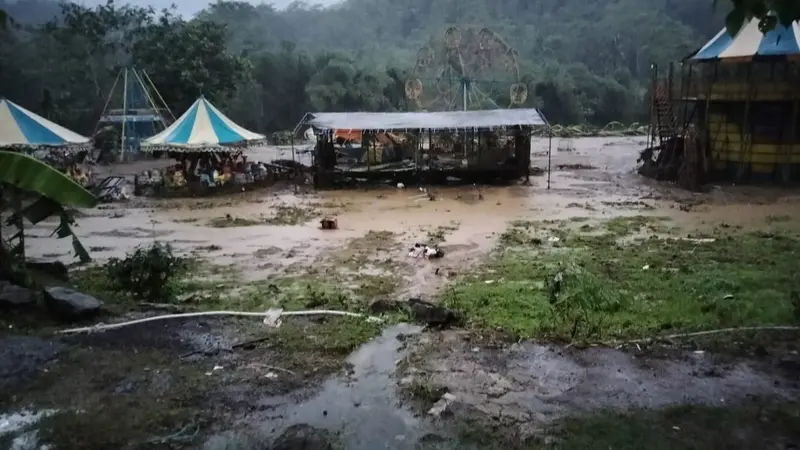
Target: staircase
666 123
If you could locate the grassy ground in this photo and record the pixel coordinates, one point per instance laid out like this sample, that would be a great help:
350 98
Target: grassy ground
628 278
345 280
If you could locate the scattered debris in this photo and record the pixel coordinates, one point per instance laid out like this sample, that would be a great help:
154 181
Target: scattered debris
441 406
426 251
329 223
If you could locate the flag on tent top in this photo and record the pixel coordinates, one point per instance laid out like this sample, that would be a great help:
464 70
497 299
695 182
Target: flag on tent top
202 127
750 43
24 129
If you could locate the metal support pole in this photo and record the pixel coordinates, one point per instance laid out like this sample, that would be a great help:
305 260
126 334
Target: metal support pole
549 153
124 115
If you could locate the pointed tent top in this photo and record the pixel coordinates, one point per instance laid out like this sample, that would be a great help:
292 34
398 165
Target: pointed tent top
750 43
202 127
21 128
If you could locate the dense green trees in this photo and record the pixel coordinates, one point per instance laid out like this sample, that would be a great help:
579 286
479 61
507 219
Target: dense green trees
582 62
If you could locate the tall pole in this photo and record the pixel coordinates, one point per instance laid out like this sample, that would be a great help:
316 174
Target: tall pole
465 86
124 115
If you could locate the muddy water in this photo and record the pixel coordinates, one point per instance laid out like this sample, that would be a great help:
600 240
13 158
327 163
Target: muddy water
595 178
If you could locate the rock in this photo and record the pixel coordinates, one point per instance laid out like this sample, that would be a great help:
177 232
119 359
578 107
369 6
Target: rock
432 315
13 296
303 437
383 306
68 304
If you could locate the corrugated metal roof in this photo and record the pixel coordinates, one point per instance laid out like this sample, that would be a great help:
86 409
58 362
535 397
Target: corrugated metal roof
493 118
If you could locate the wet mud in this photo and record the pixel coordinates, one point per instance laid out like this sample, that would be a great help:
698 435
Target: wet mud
530 386
272 233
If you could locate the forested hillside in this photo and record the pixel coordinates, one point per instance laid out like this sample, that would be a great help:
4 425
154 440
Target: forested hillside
583 62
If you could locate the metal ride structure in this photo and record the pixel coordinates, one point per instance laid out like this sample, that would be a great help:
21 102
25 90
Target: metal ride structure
466 69
134 109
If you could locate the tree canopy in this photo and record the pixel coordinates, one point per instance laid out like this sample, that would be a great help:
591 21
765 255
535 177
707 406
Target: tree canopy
769 13
581 62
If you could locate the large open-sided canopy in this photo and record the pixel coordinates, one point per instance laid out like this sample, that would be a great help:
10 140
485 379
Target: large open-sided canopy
446 120
750 43
202 128
23 129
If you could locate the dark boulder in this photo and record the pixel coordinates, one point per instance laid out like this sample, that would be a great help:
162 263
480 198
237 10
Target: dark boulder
69 305
13 296
433 315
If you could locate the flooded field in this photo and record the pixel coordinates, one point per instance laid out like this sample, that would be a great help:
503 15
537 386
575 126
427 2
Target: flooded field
639 258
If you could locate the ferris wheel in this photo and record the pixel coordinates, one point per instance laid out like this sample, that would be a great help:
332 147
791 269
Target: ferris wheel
466 69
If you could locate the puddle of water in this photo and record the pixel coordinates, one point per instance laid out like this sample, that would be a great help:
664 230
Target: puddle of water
18 425
364 409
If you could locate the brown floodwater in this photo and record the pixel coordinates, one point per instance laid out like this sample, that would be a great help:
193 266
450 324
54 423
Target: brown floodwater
595 178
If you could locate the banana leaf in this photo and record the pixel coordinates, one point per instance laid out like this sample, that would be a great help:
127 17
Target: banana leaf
57 193
30 174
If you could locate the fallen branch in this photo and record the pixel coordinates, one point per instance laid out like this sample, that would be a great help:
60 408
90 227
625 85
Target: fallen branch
710 332
274 314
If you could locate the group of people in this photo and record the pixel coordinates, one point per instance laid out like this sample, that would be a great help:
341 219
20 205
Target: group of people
209 169
79 175
230 169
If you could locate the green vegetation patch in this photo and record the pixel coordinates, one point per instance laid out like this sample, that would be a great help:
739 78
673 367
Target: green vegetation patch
607 285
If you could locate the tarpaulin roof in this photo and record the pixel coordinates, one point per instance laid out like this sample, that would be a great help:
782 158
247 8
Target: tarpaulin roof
22 128
750 43
493 118
202 127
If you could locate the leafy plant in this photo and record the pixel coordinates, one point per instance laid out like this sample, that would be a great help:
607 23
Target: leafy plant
54 193
149 273
768 12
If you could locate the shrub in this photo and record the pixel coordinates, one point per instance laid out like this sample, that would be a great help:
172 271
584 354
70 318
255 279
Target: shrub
149 273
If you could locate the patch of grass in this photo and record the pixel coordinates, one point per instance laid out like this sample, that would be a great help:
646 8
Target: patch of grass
440 233
230 222
778 219
291 215
622 226
592 287
335 336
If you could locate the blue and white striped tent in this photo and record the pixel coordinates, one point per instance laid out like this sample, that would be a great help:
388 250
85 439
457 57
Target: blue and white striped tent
202 127
750 43
20 128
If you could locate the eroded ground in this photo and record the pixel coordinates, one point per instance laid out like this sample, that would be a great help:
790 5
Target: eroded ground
560 290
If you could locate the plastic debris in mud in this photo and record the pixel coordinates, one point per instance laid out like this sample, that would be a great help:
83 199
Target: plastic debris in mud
273 318
441 406
426 251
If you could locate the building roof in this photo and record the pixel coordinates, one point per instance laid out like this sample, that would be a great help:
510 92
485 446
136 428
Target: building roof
22 128
202 127
483 119
750 43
